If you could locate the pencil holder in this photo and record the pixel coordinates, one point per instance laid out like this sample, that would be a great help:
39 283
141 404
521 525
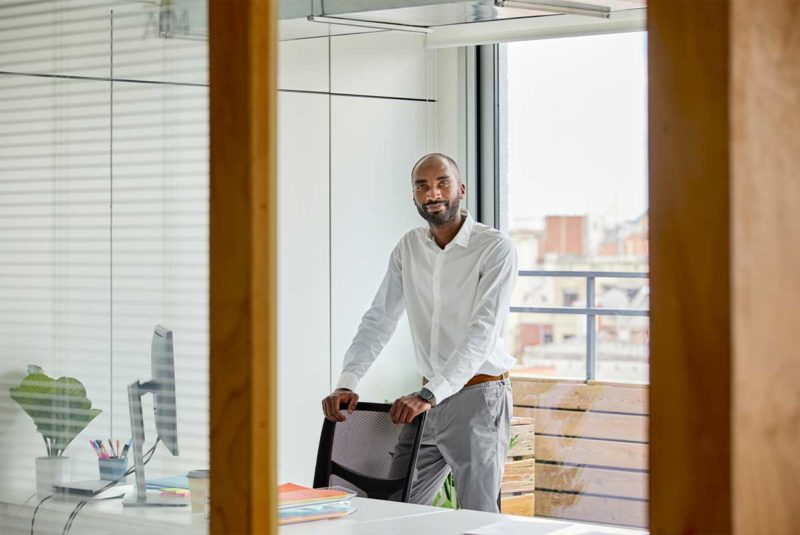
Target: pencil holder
112 469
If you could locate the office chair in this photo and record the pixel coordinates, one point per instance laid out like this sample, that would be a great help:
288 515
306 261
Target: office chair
357 454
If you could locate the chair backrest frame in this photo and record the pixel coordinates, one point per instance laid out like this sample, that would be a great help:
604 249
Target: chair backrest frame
324 466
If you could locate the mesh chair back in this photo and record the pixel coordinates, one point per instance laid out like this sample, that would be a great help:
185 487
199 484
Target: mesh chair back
358 453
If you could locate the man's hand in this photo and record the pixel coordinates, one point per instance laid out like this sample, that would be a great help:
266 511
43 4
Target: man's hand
330 405
406 408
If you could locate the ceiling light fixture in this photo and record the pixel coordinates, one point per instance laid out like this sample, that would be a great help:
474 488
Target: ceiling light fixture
558 6
370 24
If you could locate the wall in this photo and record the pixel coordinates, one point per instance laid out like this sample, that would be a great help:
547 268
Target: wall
355 113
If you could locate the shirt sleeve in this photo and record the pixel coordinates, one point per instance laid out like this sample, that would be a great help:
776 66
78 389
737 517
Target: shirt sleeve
491 302
377 325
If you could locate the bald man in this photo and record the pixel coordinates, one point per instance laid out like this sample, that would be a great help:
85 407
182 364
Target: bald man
454 278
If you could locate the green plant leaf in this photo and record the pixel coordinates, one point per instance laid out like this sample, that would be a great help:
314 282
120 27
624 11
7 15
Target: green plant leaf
59 408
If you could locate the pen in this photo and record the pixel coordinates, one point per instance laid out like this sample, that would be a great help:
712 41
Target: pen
111 447
119 454
103 449
94 448
125 451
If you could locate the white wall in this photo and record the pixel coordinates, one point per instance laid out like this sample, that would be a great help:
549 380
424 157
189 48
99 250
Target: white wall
340 219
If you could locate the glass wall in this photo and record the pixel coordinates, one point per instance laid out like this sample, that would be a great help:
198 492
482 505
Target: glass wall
103 233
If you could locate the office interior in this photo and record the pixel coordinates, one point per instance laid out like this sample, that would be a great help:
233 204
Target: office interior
106 198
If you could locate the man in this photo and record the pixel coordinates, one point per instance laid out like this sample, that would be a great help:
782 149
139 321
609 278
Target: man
454 279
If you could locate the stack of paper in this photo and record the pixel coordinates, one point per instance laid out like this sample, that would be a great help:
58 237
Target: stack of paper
302 504
171 482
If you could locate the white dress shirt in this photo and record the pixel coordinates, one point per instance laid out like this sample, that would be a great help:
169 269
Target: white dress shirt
457 300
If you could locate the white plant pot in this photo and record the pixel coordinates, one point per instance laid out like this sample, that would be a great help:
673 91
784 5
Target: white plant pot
51 471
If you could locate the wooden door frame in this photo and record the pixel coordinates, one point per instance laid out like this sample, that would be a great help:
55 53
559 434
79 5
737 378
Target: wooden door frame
243 242
724 101
722 153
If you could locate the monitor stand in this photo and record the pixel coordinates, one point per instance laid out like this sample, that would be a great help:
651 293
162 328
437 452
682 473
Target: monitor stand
153 498
142 498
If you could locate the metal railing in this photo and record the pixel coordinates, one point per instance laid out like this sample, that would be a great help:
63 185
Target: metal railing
591 311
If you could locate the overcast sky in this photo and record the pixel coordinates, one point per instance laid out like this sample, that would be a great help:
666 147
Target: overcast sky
577 126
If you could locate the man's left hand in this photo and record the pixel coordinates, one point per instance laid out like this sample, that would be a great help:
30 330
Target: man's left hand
406 408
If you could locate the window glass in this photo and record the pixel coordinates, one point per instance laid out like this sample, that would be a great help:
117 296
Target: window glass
576 144
576 122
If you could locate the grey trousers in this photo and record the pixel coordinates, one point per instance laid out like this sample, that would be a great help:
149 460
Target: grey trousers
467 433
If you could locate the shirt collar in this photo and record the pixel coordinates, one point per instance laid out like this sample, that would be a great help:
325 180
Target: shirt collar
462 238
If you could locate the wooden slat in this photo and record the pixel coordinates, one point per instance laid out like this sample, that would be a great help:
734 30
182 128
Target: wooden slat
522 505
592 452
525 442
591 509
587 424
521 420
243 400
519 476
618 483
628 399
690 332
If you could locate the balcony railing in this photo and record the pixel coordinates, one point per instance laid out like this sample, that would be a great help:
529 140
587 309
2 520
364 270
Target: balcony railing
591 311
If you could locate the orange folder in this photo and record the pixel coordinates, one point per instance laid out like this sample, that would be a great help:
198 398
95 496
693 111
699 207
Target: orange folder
291 495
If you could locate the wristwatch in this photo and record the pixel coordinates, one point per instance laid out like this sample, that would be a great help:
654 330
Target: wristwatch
428 396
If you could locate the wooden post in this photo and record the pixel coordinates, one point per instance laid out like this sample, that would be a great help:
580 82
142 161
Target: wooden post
765 156
725 265
242 70
690 330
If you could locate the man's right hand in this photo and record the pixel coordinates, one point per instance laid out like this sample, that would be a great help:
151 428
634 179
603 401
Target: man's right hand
330 405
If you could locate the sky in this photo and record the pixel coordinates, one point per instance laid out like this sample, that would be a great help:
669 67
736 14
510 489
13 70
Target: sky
577 127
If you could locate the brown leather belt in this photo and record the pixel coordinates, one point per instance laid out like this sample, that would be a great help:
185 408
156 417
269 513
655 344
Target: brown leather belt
478 379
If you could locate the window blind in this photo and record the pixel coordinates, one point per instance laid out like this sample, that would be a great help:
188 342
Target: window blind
103 216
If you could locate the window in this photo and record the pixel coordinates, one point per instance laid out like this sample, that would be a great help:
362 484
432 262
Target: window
576 145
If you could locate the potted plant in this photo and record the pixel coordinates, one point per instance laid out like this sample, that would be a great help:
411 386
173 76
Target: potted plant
60 410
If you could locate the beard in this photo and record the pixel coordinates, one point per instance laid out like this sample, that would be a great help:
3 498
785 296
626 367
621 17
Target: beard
439 218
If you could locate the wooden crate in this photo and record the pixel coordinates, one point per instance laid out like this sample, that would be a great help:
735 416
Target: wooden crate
519 479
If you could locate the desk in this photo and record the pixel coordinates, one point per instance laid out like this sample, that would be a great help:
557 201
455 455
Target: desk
105 517
372 517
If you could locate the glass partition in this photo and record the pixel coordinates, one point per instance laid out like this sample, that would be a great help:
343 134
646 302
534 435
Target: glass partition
103 235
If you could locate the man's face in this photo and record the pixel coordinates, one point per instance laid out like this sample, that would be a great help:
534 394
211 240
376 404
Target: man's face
437 192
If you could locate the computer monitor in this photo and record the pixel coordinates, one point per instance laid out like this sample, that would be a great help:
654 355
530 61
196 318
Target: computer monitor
162 367
162 386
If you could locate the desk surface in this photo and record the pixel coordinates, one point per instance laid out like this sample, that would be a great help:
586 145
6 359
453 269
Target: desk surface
372 517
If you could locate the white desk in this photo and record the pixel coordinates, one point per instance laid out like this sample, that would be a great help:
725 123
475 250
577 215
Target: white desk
372 517
105 517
